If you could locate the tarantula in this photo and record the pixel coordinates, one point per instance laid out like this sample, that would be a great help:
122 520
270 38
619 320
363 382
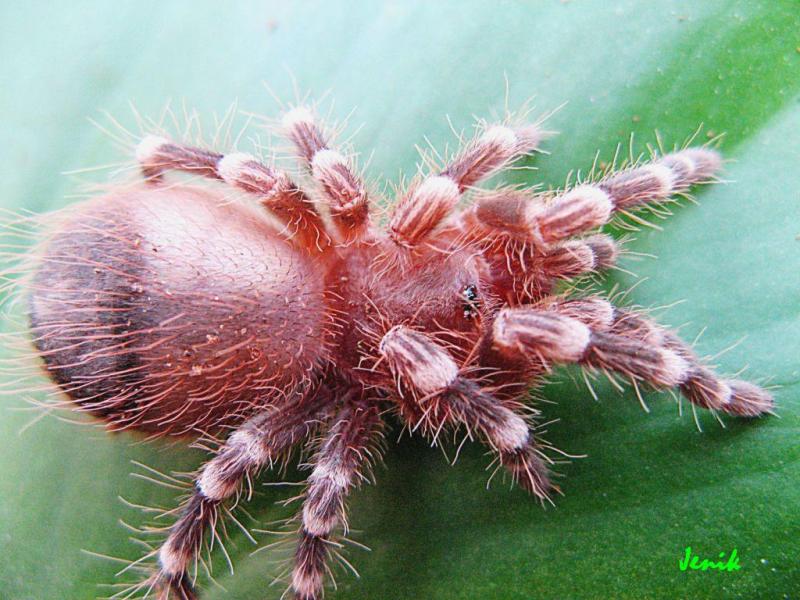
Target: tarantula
294 320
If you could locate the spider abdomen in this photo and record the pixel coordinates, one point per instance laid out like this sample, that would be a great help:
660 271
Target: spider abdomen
168 309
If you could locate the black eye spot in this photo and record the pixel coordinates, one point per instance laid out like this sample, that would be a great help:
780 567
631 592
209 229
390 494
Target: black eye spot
471 303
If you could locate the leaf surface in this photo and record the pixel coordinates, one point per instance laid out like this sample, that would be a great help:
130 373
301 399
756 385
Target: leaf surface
651 484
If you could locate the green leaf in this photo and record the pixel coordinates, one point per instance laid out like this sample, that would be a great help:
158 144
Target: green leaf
651 484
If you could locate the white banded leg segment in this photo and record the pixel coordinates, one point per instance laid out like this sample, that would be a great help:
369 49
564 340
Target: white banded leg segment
635 325
276 191
692 165
157 154
574 258
184 542
524 217
700 384
605 250
302 129
649 183
554 338
308 575
507 432
593 311
279 194
592 333
672 174
576 211
424 369
246 172
748 399
704 387
421 364
347 195
568 260
535 219
220 478
343 188
500 213
423 208
148 147
636 359
256 444
331 169
546 335
444 397
338 467
429 203
490 151
274 188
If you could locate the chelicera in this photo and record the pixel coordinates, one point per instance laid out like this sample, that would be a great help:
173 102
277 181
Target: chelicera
295 320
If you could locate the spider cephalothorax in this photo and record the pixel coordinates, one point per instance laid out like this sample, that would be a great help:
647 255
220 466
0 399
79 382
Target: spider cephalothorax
168 309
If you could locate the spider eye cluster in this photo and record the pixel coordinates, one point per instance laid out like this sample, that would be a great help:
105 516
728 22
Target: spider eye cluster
471 303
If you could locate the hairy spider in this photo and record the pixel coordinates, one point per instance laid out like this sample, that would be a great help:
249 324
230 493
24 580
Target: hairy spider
165 308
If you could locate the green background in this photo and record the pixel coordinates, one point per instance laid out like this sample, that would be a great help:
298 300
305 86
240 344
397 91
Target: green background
652 483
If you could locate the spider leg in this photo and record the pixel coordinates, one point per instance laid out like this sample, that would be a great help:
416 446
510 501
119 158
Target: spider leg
531 274
533 238
577 257
259 442
522 217
444 396
629 189
342 188
505 430
428 203
624 342
348 447
275 190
